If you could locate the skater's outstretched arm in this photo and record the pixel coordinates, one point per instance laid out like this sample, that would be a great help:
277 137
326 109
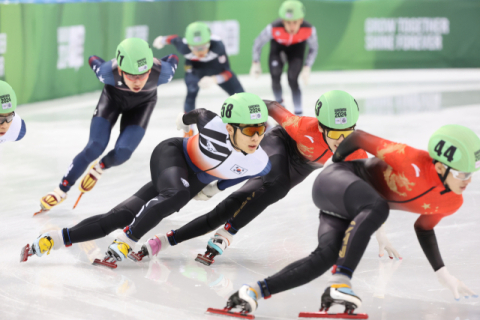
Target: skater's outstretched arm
169 67
312 48
428 241
260 41
103 69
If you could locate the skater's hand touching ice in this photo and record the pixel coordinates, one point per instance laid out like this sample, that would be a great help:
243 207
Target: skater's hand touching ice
207 192
457 287
305 74
255 70
207 81
385 245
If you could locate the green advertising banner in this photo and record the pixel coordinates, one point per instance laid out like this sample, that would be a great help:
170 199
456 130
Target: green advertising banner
44 48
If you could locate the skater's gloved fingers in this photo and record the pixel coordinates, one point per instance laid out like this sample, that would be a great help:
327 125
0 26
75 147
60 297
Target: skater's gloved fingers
465 291
389 251
456 294
159 42
395 253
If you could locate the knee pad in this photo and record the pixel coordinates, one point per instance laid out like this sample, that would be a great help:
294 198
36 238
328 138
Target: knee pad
179 197
279 188
121 155
293 82
94 149
380 211
223 211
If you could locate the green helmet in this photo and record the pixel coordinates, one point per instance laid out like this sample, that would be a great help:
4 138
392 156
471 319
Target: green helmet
291 10
197 33
456 146
337 109
8 98
134 56
246 108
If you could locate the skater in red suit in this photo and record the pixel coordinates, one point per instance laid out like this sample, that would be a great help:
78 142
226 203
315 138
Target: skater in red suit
355 198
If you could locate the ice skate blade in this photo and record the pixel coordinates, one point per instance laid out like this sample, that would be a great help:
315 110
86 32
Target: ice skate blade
25 253
42 210
105 263
78 200
204 260
227 313
326 315
136 256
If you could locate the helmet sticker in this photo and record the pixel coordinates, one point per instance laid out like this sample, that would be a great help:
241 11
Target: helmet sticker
255 112
289 14
142 65
6 101
477 159
340 116
197 36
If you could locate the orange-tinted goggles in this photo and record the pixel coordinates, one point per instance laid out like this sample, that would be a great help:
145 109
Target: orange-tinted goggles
134 77
250 131
336 134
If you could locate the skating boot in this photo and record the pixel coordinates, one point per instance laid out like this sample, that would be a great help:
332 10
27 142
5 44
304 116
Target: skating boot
117 251
90 179
51 200
44 243
152 247
216 246
244 299
337 294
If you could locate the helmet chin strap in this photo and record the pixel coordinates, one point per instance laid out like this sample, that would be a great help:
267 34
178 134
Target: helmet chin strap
443 179
325 139
234 141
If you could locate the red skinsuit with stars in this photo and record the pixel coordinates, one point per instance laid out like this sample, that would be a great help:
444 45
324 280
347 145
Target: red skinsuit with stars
407 179
304 130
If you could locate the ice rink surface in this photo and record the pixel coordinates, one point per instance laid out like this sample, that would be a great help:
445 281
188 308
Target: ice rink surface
400 105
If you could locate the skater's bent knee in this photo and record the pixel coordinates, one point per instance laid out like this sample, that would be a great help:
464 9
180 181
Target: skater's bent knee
122 154
94 149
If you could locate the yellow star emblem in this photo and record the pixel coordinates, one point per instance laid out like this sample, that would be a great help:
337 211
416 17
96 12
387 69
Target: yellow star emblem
426 206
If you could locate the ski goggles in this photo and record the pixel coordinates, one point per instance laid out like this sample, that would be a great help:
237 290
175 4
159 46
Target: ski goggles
200 48
460 175
336 134
7 119
135 77
250 131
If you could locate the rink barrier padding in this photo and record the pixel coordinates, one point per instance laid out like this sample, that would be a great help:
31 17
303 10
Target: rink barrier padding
44 47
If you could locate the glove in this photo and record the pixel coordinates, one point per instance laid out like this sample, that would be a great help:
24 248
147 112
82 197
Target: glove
456 286
329 162
180 124
209 191
207 81
385 245
160 42
305 74
255 70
